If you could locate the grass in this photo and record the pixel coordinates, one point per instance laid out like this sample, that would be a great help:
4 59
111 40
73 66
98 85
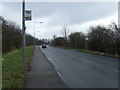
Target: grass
12 76
97 53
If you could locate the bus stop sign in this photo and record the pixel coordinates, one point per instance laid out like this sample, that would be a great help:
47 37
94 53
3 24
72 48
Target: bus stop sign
28 15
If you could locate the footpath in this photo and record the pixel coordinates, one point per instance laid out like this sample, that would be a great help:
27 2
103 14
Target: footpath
42 74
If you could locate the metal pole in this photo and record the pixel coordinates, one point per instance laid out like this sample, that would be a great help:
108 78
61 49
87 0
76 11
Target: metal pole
23 37
34 35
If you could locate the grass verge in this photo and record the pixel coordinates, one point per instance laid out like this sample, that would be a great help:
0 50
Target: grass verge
12 76
97 53
61 47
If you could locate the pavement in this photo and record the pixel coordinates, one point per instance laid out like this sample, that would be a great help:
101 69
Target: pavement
83 70
42 74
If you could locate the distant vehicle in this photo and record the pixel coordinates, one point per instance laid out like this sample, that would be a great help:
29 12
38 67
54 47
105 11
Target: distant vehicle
44 46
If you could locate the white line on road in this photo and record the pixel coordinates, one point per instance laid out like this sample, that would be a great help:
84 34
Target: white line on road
82 59
59 73
115 70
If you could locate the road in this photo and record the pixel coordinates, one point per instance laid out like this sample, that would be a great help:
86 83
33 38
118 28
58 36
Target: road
83 70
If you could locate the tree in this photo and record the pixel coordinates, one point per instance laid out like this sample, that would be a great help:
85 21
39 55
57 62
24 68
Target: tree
12 36
77 40
101 39
59 41
53 41
65 33
116 37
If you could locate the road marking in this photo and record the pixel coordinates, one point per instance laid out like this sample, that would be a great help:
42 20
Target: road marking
90 62
46 55
83 59
87 61
115 70
60 74
56 68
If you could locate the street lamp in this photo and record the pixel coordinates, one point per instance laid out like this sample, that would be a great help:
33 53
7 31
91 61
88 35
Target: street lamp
37 41
34 31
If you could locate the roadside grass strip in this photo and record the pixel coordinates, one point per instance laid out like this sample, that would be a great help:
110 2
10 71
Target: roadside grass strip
97 53
12 76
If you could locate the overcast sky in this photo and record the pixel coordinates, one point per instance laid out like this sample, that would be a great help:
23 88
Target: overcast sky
77 16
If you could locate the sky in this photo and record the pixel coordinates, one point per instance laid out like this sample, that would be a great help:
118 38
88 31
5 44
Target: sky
77 16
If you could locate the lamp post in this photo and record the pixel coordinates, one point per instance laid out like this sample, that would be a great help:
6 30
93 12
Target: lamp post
34 32
37 42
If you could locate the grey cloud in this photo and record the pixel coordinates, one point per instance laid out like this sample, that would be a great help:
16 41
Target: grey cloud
67 12
72 13
58 14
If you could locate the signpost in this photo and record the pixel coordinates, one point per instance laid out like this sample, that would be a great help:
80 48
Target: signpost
23 37
26 15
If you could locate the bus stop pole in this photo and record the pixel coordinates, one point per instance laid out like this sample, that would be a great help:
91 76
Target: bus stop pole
23 38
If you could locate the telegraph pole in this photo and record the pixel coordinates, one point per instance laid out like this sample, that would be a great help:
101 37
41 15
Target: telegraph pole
23 38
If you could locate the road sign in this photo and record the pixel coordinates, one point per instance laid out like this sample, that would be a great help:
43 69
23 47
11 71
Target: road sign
27 15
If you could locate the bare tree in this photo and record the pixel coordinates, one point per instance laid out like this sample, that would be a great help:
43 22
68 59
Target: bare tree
65 33
54 36
113 26
116 30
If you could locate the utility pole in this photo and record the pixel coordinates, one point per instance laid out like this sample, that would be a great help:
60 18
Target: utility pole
23 38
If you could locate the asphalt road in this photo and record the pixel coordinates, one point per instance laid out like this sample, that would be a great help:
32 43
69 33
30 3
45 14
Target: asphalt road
83 70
